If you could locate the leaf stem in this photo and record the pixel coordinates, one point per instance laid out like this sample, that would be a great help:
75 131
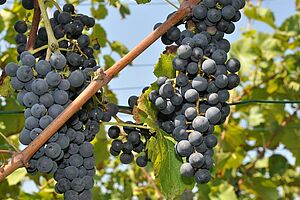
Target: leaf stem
9 142
172 4
55 4
46 46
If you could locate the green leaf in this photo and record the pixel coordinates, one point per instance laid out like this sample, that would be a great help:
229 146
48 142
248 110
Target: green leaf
109 61
277 164
118 47
11 123
291 25
16 176
110 95
142 1
261 14
6 89
99 33
222 191
263 189
100 147
161 152
100 12
290 137
255 117
164 66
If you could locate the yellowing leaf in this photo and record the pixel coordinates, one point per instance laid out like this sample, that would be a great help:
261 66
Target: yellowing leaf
164 66
16 176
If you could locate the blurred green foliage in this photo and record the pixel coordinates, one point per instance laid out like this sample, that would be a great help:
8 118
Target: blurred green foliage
252 159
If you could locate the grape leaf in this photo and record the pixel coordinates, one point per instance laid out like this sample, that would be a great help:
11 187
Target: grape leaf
142 1
6 90
164 66
118 47
161 151
277 164
100 12
291 26
261 14
12 123
16 176
99 33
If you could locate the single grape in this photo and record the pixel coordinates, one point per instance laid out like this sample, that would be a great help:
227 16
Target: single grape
184 51
190 113
166 90
214 15
43 67
182 79
20 26
191 95
24 73
53 79
233 65
55 110
11 69
195 138
202 176
126 158
196 160
114 132
45 121
209 66
186 170
76 78
86 149
28 60
219 56
200 124
213 115
184 148
211 140
200 11
38 110
142 161
58 61
200 84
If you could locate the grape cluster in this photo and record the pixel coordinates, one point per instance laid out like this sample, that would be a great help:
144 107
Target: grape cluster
126 142
190 105
46 87
130 139
65 24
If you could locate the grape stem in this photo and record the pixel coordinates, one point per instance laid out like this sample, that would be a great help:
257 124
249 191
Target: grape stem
52 42
125 124
22 158
46 46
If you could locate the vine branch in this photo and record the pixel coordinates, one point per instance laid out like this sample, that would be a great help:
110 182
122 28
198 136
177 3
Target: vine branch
35 25
20 159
